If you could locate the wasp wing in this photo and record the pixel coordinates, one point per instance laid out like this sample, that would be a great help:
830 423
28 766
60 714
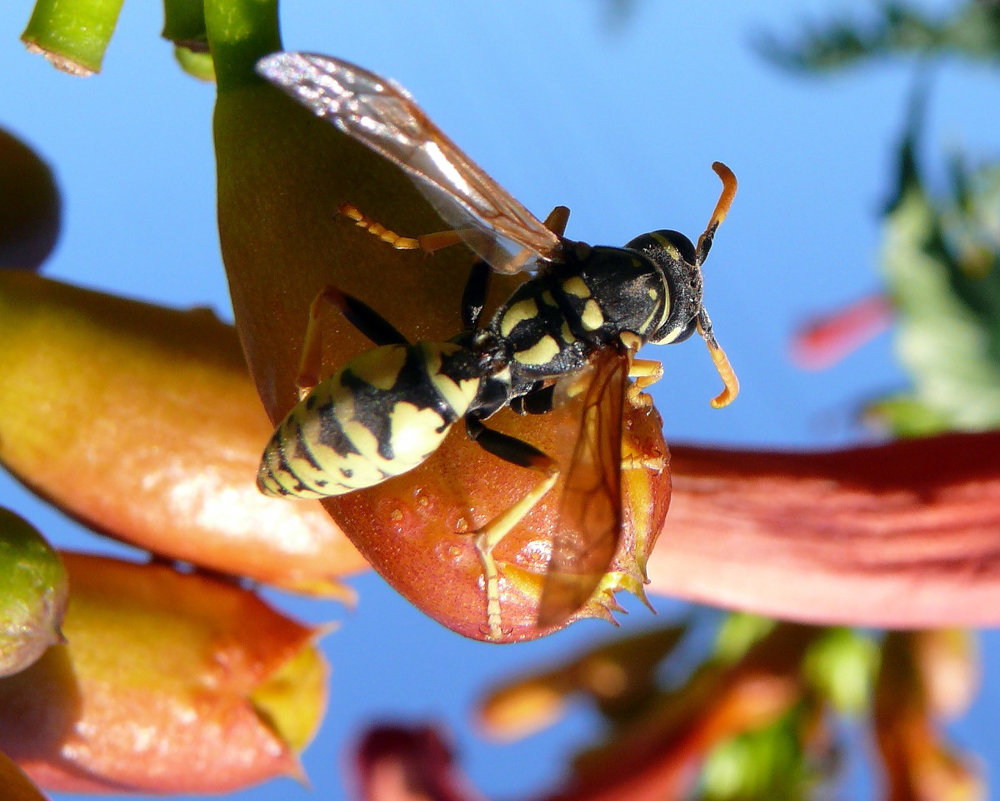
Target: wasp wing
590 513
381 114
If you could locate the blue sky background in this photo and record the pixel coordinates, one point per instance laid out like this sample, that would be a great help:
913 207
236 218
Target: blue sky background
564 103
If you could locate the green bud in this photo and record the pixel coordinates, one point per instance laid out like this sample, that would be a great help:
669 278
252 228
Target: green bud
33 592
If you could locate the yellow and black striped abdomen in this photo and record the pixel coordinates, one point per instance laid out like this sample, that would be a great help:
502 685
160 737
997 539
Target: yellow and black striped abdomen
382 414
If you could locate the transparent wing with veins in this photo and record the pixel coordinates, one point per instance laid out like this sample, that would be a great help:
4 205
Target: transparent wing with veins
382 115
590 511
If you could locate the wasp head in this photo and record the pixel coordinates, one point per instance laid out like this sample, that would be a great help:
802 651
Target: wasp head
680 263
675 256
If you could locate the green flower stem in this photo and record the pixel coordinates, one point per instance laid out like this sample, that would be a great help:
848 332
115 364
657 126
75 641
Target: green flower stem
184 25
184 21
72 34
239 33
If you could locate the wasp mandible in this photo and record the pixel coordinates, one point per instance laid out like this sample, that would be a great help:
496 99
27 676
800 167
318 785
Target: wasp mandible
572 329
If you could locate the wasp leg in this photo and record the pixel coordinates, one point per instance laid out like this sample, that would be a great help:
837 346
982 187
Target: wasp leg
487 537
657 462
362 316
540 400
474 295
427 242
645 373
721 210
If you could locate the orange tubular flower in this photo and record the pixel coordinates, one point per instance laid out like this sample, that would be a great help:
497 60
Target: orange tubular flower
169 683
895 535
165 438
16 786
655 753
617 675
824 340
919 763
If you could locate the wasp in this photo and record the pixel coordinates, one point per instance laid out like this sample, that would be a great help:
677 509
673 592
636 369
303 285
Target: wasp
570 330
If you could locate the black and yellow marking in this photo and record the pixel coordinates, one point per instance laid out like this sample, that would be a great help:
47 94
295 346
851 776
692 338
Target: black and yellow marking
568 330
379 416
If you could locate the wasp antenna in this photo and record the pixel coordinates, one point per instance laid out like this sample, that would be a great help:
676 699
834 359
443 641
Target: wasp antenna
731 383
729 185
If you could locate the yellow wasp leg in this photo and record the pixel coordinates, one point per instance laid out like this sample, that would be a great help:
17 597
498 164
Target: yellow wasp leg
645 373
427 243
490 535
309 364
359 314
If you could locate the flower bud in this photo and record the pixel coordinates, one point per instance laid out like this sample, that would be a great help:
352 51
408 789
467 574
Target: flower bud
142 421
168 683
29 206
16 785
282 176
618 676
33 592
950 666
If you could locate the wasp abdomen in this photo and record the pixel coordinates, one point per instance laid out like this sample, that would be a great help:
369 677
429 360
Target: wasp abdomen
379 416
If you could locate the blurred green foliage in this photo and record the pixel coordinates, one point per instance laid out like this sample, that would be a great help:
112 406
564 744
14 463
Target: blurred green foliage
941 245
941 262
970 30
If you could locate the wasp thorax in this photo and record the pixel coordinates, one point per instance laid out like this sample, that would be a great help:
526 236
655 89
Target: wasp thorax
492 353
